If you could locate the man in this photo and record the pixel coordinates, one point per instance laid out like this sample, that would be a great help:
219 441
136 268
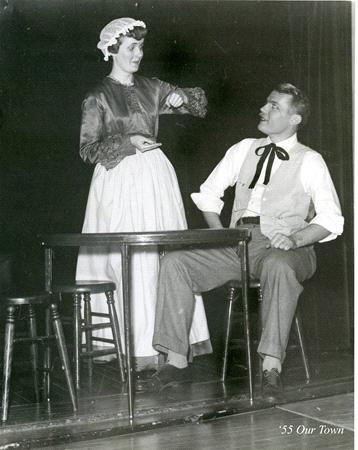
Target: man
285 196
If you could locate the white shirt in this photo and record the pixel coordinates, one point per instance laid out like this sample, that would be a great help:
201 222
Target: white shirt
315 179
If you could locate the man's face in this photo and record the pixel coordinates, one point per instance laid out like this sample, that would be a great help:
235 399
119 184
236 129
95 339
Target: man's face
278 118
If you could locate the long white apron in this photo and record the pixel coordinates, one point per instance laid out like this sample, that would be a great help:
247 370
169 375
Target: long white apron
140 194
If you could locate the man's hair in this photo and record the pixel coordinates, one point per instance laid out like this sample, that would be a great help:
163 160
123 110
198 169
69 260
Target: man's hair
300 101
137 33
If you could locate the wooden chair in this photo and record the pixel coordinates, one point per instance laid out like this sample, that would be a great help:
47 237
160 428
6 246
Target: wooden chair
234 287
82 290
30 302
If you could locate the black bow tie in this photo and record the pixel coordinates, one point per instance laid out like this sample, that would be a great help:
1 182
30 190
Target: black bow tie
272 150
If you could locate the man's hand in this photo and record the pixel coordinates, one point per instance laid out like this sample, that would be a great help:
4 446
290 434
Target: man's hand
175 100
282 242
307 236
142 143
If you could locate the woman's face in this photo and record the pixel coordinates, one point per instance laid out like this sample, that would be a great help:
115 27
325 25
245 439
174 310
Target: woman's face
129 55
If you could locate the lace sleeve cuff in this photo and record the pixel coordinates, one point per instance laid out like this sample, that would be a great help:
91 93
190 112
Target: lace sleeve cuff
197 101
114 149
108 152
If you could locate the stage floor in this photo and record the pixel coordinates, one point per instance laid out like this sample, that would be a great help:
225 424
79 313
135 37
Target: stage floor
103 411
325 423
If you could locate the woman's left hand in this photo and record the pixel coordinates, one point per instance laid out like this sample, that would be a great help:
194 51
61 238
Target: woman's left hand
175 100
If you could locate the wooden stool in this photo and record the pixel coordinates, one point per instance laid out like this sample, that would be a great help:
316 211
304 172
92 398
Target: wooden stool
233 291
50 303
83 290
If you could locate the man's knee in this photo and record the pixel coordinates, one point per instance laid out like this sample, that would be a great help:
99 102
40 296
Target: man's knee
173 261
277 262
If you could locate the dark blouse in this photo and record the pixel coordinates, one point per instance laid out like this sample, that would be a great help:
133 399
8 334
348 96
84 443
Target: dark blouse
113 112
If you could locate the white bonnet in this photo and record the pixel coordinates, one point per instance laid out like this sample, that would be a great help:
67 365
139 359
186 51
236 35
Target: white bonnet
112 30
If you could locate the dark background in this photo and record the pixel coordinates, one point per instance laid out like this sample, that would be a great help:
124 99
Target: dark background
236 50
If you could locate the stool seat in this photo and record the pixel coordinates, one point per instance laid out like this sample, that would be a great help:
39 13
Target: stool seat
32 299
236 284
84 286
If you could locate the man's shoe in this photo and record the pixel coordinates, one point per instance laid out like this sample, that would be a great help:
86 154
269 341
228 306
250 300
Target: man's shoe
167 377
272 390
141 380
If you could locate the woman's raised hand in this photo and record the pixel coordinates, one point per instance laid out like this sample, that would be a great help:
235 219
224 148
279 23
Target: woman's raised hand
175 100
144 144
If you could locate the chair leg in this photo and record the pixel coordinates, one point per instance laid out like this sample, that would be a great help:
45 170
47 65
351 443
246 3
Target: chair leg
231 297
60 339
298 326
88 332
8 350
77 336
116 333
34 351
46 383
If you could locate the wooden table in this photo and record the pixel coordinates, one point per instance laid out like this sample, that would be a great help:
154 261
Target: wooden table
125 241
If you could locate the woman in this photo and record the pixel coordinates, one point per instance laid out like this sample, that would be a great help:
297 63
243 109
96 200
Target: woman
134 186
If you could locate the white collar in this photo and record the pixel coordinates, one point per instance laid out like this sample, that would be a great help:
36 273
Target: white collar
286 144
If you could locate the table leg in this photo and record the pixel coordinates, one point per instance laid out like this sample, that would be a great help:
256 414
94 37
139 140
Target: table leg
244 290
125 251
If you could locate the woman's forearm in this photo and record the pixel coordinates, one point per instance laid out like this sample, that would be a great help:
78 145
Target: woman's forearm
212 219
113 148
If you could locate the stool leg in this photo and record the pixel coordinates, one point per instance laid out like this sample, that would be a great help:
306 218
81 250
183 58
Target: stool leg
61 345
231 296
47 359
260 299
302 346
116 332
77 336
8 348
34 351
88 323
